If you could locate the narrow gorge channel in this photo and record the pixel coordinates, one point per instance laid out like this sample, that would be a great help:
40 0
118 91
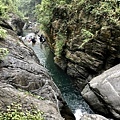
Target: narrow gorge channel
62 80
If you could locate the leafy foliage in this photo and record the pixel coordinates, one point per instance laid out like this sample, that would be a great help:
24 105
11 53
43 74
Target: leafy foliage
2 33
86 36
8 6
15 112
60 42
44 12
27 7
3 9
104 10
3 53
3 14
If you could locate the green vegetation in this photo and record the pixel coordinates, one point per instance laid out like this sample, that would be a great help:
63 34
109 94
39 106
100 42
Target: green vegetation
44 12
86 36
29 93
104 10
23 8
16 112
8 6
60 42
3 15
3 53
58 47
27 7
2 32
3 10
79 2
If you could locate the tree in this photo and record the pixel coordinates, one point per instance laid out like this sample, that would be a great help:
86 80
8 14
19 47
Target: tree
27 7
44 11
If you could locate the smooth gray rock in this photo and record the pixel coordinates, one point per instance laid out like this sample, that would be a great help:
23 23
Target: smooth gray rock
103 93
92 117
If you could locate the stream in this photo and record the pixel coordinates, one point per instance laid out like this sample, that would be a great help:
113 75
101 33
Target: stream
62 80
72 97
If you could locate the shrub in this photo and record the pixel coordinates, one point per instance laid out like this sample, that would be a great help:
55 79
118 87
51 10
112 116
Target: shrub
86 36
2 33
15 112
3 52
3 10
60 42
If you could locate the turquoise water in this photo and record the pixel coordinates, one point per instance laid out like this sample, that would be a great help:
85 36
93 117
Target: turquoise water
62 80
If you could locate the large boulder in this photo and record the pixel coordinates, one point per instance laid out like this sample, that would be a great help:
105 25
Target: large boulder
21 68
103 93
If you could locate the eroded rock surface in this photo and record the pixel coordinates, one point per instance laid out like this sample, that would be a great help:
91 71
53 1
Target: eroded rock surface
86 38
8 95
21 69
16 23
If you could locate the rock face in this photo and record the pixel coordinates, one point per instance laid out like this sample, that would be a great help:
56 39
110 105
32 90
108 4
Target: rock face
92 117
17 23
103 93
22 69
86 38
11 95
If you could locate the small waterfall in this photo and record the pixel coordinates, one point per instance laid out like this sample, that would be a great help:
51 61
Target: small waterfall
78 113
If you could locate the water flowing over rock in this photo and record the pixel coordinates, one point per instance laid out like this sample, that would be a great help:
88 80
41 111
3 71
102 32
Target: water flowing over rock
21 69
103 93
